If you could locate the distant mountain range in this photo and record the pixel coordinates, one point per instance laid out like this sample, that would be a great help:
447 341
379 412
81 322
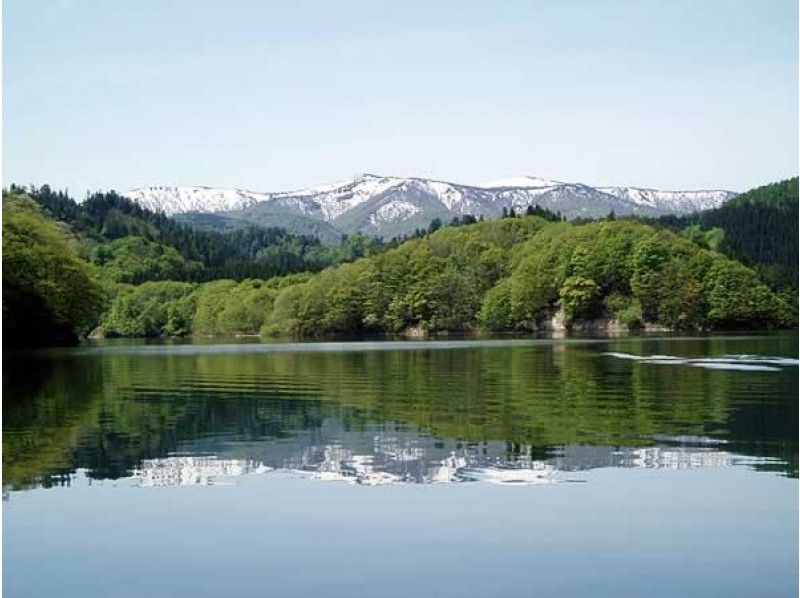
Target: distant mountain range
389 206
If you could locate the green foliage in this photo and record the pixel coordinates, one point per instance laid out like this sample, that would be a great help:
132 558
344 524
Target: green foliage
211 298
714 238
459 277
225 307
151 309
577 297
136 260
510 274
495 312
49 294
737 298
221 307
649 256
758 228
136 245
631 314
434 283
710 239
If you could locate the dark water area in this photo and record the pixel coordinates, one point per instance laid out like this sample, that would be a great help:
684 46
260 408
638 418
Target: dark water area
471 468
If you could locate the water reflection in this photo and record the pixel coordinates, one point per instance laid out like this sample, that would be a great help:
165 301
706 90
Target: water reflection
528 413
337 463
191 471
742 363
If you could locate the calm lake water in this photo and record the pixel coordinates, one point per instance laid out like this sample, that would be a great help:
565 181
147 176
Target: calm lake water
658 467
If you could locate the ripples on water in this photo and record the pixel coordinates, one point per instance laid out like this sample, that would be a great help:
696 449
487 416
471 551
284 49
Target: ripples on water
506 412
743 363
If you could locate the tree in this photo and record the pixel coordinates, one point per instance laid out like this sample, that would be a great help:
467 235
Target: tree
150 309
577 298
248 252
649 255
435 225
50 295
135 260
737 298
758 227
495 311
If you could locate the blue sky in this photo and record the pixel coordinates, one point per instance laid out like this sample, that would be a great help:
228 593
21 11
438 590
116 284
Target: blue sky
270 96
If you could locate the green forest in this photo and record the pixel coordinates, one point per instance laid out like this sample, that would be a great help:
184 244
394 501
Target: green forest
758 228
138 245
107 265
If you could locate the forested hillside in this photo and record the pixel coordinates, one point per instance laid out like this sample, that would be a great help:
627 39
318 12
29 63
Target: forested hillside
760 229
513 274
65 263
70 267
50 295
516 274
117 232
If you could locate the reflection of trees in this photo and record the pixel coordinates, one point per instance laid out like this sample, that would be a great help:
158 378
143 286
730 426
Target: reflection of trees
47 406
87 413
107 413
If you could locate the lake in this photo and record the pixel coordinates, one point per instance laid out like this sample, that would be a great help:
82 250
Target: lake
626 467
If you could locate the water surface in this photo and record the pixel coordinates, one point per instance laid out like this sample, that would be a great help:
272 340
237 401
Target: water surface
470 468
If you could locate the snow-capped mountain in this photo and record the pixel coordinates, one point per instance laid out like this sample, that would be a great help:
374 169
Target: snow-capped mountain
388 206
689 201
180 200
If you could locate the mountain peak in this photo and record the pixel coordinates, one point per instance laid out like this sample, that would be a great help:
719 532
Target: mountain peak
389 205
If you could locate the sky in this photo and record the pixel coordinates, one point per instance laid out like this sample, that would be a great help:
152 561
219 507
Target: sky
271 96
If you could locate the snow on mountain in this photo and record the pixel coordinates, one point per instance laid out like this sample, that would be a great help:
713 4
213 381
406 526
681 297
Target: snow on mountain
448 194
392 211
685 201
522 182
331 201
179 200
386 205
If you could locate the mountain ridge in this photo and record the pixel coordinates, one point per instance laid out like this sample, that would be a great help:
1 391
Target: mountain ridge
389 205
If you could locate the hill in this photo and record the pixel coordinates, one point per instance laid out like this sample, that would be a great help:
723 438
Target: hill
70 266
65 262
50 295
513 274
242 250
262 217
760 229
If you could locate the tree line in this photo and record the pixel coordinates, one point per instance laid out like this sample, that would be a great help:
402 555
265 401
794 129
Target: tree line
513 274
758 228
69 267
178 252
